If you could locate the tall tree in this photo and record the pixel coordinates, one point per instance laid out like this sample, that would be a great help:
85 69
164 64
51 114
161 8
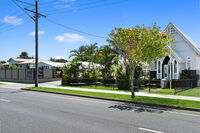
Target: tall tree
140 44
108 58
79 54
2 62
58 60
24 55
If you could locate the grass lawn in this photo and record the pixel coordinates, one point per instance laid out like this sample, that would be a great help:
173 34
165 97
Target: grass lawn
102 87
194 92
2 84
165 101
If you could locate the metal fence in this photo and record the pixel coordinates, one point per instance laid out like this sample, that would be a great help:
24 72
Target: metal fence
182 85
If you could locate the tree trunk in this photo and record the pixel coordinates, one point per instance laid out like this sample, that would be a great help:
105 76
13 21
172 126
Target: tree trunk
132 80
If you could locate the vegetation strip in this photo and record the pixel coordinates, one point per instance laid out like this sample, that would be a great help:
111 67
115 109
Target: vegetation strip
194 92
162 102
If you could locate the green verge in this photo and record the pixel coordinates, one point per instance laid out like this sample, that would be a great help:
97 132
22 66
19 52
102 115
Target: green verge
2 84
194 92
154 100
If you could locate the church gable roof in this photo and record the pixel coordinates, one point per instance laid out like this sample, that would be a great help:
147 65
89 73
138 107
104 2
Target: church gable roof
193 45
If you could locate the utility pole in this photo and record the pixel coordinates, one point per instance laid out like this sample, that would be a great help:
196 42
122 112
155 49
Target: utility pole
36 43
35 19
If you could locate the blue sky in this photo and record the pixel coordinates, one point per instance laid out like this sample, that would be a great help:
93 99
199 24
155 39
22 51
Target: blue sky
97 17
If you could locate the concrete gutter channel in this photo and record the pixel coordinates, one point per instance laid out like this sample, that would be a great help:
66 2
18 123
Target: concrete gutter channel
117 100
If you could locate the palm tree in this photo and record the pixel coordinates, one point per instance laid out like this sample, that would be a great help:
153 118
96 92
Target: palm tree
109 57
79 54
91 52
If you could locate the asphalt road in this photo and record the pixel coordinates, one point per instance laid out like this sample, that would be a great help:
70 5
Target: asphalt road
35 112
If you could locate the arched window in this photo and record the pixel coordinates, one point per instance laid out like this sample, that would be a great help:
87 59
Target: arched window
188 64
159 67
155 64
175 66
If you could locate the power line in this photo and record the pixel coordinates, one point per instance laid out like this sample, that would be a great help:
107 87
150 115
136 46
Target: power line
85 4
14 27
23 10
97 6
70 28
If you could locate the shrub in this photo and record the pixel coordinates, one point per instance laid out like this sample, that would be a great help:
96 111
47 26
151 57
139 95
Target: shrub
58 73
186 74
13 67
71 73
122 79
85 77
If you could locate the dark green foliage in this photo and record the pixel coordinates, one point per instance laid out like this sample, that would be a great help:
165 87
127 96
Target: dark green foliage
186 74
71 73
123 79
138 73
86 77
58 60
24 55
2 62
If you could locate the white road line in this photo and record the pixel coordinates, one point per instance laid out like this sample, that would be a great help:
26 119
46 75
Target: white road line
150 130
4 100
183 114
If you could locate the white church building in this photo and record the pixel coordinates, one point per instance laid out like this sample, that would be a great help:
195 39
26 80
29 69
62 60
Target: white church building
186 56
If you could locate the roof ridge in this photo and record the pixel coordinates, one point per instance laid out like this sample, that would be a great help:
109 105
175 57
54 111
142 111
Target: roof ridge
193 44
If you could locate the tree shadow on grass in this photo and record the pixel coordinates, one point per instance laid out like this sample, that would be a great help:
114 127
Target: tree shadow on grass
139 108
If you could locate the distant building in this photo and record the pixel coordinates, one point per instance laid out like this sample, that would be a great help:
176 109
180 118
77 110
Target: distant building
30 63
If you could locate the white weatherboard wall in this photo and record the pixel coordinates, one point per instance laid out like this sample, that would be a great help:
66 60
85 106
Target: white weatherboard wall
184 50
198 62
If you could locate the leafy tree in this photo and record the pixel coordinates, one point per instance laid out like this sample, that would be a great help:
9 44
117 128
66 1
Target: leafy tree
79 54
108 58
58 60
140 44
24 55
2 62
91 52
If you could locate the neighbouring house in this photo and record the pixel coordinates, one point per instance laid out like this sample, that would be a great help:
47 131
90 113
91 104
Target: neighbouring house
186 56
30 63
4 66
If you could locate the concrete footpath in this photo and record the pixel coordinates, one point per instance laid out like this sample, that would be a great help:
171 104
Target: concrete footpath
55 84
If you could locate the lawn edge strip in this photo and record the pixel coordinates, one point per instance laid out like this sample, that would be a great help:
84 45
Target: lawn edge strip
118 100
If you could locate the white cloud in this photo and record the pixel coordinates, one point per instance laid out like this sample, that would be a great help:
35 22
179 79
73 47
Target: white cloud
41 32
12 20
71 38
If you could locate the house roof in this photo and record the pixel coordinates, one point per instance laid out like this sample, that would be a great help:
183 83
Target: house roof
18 59
32 61
193 45
5 64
